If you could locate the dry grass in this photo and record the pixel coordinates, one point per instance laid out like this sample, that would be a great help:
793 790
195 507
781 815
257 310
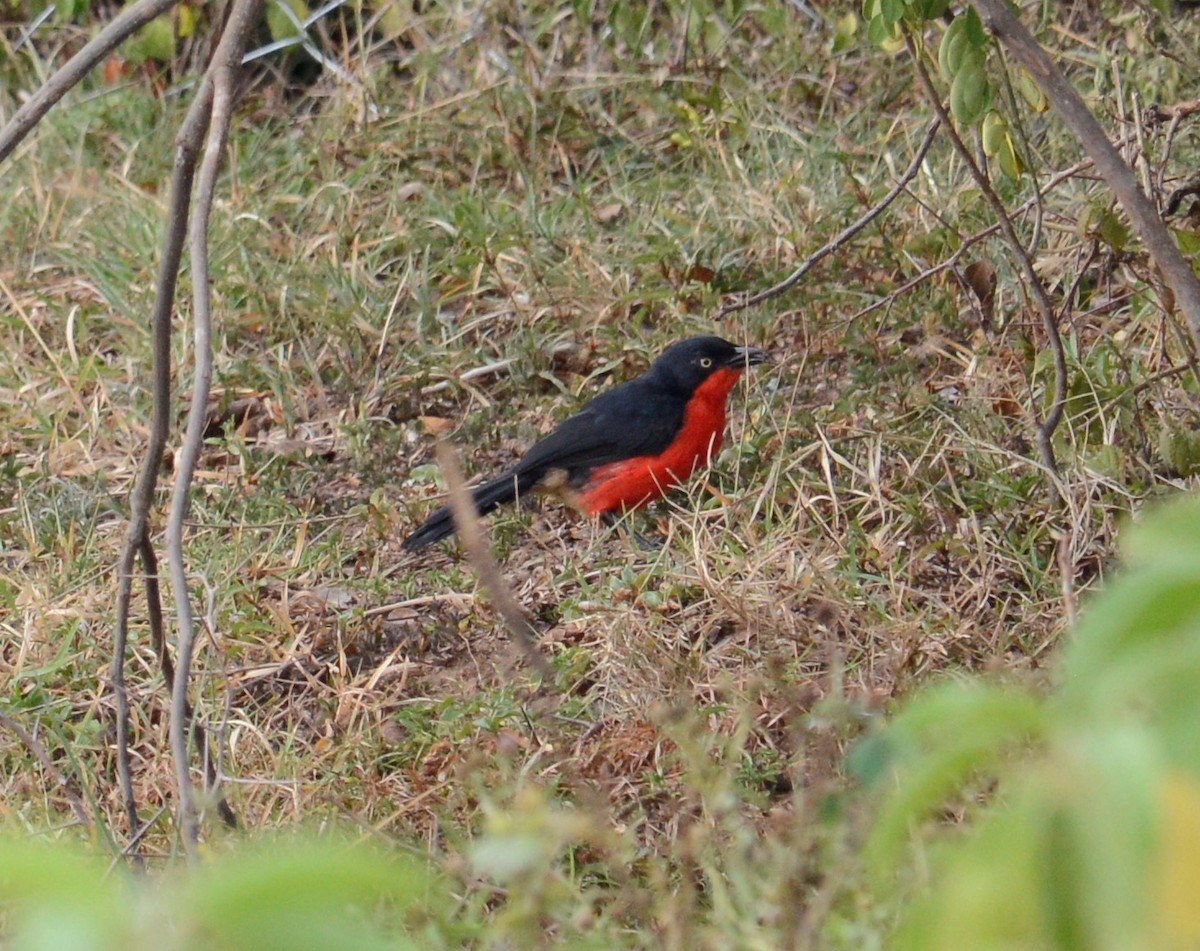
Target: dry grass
536 213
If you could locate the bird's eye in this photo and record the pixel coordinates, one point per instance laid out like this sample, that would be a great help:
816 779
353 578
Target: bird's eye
706 362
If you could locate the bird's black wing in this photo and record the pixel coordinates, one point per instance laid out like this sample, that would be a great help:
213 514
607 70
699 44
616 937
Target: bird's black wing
633 419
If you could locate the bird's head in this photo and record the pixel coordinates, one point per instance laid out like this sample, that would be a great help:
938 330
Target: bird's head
689 364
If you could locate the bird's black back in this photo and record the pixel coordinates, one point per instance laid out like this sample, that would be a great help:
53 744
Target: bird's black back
636 418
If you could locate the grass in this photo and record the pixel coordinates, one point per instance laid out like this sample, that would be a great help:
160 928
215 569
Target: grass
550 195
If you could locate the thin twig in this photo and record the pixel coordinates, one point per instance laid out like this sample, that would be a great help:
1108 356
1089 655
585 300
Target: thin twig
417 602
1165 158
1144 217
923 276
474 542
35 747
1187 189
1181 110
124 25
220 81
158 641
842 237
137 535
23 121
969 242
136 839
1044 428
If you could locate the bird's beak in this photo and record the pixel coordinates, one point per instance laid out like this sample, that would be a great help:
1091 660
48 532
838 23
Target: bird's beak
748 356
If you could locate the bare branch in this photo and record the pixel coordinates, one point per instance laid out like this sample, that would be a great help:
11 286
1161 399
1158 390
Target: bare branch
970 241
159 643
1187 189
1180 110
219 85
68 786
841 238
137 536
474 542
116 673
128 22
1142 214
1044 428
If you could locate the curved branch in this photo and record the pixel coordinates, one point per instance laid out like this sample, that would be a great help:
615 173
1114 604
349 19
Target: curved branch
969 242
159 642
219 87
137 536
1144 217
1044 428
128 22
841 238
69 787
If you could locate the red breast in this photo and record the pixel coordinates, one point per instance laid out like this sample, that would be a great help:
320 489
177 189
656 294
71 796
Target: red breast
632 483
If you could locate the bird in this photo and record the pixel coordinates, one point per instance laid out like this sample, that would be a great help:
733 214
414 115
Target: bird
630 444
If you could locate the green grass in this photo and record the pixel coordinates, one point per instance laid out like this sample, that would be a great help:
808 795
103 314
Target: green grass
565 188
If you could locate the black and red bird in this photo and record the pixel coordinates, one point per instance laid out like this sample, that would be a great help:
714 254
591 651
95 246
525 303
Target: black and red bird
630 444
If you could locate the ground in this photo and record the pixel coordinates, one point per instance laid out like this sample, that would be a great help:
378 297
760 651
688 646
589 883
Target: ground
490 220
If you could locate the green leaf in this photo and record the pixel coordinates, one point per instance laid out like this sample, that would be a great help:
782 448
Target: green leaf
1188 242
1112 230
987 894
393 17
1030 91
879 31
974 28
948 58
970 94
1145 630
1011 163
1179 450
279 23
155 41
61 900
944 737
297 896
870 759
1088 839
70 11
1167 538
845 28
992 131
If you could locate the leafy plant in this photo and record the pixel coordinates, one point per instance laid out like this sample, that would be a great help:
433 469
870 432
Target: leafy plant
1086 803
292 894
962 57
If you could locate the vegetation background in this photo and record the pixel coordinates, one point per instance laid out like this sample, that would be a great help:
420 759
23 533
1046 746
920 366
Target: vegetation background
465 218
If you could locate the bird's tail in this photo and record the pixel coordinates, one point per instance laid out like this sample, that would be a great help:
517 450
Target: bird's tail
502 489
